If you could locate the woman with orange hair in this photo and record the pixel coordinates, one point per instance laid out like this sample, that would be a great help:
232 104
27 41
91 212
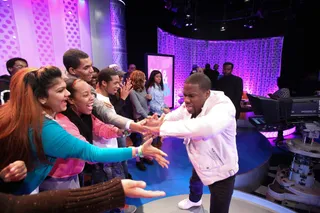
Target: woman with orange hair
139 99
29 132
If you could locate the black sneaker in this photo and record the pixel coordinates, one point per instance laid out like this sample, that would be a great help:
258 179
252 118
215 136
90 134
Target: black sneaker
141 166
147 161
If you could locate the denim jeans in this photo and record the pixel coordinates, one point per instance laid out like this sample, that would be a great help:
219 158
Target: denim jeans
122 143
102 172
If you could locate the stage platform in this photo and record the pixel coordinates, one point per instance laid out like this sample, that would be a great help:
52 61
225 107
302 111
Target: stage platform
254 153
241 202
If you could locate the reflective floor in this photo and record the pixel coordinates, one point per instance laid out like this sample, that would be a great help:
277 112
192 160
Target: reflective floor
253 149
241 202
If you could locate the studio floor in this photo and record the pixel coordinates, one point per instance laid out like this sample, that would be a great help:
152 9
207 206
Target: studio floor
253 148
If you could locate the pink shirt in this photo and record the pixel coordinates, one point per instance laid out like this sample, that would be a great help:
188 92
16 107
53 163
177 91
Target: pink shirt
71 166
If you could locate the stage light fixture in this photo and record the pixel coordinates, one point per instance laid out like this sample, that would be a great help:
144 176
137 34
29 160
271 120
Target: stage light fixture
122 2
223 27
249 24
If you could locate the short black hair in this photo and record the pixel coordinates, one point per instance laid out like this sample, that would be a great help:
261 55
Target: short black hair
282 83
106 75
228 63
95 69
207 66
201 79
10 63
72 57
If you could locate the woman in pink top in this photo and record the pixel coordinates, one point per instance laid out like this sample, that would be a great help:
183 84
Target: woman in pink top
79 122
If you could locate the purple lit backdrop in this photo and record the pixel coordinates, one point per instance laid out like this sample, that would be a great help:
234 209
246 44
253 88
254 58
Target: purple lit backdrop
42 30
118 31
256 61
9 45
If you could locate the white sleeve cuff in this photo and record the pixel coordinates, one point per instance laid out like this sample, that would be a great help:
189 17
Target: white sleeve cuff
128 125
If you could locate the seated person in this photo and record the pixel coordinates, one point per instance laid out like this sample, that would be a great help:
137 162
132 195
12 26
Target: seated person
282 92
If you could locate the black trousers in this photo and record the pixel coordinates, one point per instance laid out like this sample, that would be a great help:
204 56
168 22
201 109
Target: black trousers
220 192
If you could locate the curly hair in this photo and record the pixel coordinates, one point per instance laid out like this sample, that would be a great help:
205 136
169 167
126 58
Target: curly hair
138 78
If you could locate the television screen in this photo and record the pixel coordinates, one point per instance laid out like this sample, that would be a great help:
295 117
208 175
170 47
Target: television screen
165 64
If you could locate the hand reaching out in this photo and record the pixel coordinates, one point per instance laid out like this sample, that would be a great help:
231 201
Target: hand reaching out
16 171
135 189
120 132
149 97
166 110
154 120
150 151
125 90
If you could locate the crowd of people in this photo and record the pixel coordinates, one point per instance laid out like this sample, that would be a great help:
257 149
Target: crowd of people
64 135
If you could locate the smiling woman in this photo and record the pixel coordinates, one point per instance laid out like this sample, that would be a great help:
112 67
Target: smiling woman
79 122
30 133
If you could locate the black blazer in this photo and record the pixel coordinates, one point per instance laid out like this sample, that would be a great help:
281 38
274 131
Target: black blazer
232 86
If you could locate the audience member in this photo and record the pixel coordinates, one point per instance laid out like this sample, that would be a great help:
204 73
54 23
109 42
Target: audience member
232 86
139 99
30 133
94 79
212 74
13 65
282 92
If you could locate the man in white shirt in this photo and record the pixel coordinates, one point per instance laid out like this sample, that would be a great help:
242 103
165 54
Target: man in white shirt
206 121
109 84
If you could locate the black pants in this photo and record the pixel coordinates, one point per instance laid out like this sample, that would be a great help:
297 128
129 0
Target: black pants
220 192
135 136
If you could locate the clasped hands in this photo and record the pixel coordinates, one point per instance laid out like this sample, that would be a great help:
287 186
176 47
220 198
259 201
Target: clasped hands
151 126
150 130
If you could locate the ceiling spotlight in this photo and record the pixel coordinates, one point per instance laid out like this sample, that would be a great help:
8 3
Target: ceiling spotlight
195 29
187 24
249 24
188 15
223 27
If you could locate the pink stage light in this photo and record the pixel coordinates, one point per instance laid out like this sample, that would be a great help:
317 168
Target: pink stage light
274 134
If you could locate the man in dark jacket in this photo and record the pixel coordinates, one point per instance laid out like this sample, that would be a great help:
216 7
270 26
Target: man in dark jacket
212 74
231 85
13 65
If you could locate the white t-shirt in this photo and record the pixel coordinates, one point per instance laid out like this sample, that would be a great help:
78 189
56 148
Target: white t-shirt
100 141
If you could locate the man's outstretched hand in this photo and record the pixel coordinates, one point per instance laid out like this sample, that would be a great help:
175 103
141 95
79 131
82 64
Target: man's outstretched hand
152 125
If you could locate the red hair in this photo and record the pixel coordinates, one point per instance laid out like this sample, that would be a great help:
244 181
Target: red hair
20 115
138 78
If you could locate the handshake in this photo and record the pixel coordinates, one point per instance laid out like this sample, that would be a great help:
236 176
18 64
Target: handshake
150 126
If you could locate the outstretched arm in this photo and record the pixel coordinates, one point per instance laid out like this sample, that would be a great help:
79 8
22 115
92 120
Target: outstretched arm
213 123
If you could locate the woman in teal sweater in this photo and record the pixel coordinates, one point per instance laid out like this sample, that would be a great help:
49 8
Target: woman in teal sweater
30 133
